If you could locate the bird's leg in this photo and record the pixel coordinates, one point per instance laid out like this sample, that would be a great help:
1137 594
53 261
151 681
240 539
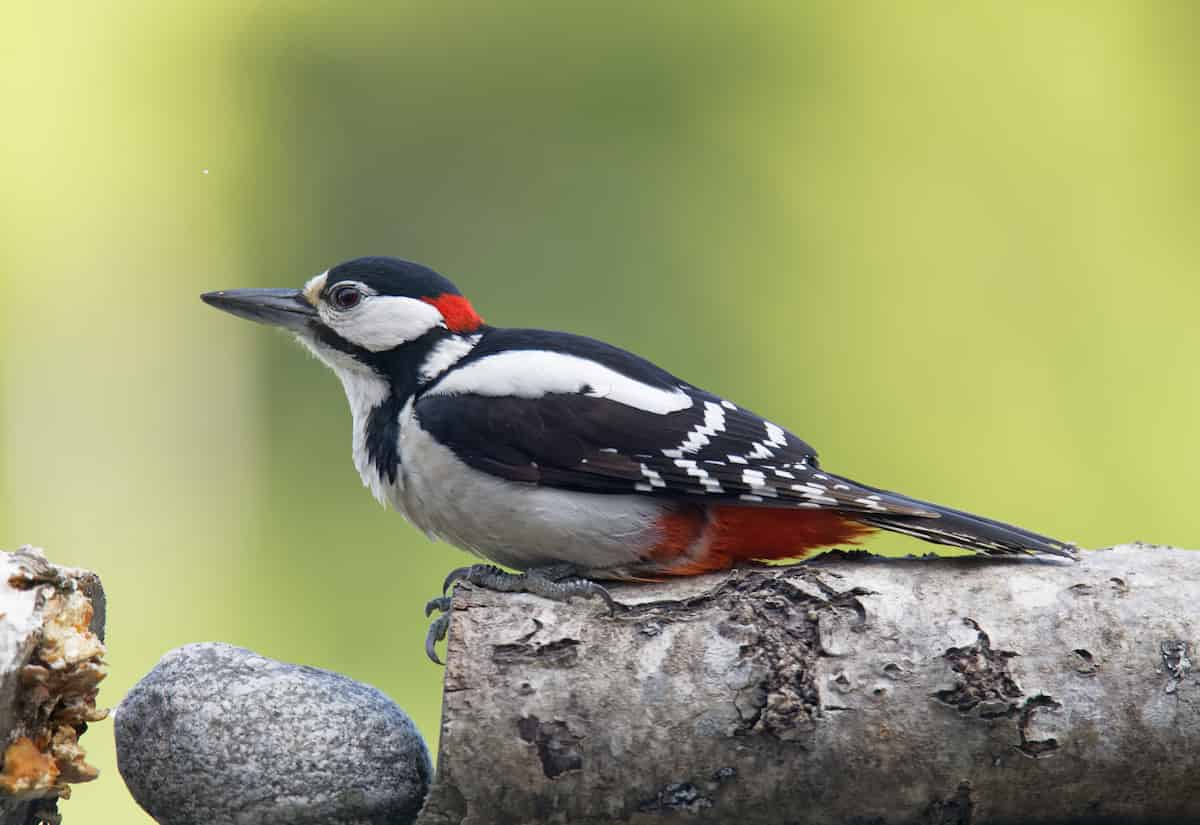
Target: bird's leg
557 582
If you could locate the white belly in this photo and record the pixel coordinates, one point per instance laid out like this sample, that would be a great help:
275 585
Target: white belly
515 524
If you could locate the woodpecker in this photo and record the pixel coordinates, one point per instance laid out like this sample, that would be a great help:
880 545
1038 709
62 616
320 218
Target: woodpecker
568 459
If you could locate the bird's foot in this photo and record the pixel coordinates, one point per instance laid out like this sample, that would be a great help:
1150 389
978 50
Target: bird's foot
558 583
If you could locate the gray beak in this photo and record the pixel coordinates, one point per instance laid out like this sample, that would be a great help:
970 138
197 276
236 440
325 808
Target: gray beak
279 307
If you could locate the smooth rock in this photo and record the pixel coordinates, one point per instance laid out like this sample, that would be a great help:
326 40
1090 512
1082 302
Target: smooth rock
219 735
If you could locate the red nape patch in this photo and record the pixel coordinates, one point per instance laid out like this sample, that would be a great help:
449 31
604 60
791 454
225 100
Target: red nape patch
744 533
459 314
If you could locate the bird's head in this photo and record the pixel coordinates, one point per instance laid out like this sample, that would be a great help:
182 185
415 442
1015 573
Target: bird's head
362 314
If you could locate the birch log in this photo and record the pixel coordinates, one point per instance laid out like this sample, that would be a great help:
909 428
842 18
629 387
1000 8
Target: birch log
850 689
51 663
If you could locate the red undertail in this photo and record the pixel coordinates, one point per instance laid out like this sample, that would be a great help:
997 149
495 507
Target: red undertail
700 541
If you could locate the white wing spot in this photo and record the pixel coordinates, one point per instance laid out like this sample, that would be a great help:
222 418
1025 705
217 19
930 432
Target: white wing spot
776 437
710 484
757 482
815 492
701 434
653 476
760 451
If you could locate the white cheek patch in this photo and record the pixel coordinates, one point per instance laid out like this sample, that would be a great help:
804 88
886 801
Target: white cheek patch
383 322
534 373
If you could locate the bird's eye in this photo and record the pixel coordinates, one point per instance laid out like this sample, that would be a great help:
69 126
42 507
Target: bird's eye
345 297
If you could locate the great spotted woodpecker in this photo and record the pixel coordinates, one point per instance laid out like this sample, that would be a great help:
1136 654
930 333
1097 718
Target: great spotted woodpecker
567 458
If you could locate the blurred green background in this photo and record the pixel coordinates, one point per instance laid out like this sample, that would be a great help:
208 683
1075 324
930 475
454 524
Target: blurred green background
953 245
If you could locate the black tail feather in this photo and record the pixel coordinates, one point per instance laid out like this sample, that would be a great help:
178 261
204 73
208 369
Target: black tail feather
957 528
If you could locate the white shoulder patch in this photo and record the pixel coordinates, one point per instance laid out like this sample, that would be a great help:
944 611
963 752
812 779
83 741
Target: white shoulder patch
535 373
446 354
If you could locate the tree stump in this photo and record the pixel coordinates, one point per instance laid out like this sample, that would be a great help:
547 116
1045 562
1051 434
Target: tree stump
848 689
51 649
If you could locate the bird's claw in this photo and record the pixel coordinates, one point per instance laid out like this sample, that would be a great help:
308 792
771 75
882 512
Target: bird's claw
454 576
600 592
557 583
437 632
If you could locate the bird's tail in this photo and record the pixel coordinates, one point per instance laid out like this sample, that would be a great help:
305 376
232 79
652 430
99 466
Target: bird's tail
945 525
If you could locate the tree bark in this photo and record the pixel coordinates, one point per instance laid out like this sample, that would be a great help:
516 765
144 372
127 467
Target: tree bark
51 649
849 689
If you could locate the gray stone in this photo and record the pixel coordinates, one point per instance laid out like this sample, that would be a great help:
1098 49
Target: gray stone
219 735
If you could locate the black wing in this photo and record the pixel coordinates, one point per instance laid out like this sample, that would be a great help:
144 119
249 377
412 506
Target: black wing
712 449
709 449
